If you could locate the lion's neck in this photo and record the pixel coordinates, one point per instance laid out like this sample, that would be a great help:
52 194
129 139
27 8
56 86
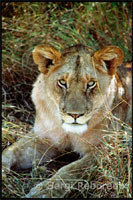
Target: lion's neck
111 93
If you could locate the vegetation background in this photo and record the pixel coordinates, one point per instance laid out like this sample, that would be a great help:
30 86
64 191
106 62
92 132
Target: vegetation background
27 24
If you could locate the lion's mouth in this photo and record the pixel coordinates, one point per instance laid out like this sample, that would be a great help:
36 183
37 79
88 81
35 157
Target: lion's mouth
75 128
75 123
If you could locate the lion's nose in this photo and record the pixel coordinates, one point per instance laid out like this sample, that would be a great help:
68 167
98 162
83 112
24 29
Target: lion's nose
75 116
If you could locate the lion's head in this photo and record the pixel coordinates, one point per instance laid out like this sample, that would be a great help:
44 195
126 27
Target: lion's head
79 82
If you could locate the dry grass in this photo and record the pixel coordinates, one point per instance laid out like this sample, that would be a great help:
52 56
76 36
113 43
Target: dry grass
27 24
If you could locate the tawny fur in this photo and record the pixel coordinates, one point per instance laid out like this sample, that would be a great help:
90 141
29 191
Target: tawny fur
74 96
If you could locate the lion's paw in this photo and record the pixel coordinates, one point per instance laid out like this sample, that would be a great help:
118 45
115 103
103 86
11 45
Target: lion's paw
39 191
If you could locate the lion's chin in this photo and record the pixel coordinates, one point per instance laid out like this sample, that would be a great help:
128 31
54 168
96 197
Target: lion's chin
78 129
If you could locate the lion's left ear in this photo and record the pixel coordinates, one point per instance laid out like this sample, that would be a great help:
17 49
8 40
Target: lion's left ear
112 56
45 56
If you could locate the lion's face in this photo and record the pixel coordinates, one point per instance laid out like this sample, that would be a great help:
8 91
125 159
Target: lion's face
78 90
79 85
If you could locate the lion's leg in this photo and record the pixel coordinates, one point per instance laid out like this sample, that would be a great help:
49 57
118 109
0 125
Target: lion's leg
66 176
30 148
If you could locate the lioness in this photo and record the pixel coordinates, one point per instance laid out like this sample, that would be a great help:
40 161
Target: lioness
78 95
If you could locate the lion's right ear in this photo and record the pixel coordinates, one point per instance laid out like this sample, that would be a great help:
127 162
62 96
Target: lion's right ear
45 56
112 56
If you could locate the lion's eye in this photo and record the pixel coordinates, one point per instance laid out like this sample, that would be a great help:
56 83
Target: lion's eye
62 83
91 84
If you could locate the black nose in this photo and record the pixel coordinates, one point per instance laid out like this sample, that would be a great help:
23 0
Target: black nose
75 116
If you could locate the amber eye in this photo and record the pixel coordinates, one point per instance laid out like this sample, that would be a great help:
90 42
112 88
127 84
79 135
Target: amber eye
91 84
62 83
